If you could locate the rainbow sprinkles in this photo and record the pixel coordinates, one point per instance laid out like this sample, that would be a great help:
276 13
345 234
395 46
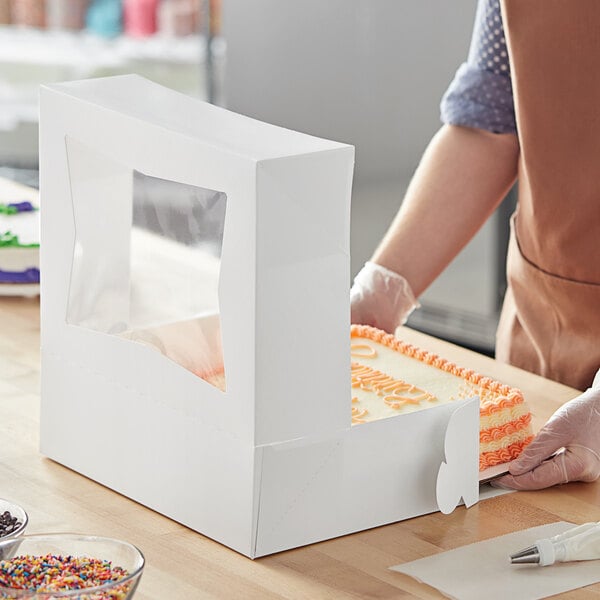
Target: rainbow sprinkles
55 573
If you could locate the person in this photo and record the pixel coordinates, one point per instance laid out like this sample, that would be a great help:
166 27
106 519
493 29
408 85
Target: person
524 106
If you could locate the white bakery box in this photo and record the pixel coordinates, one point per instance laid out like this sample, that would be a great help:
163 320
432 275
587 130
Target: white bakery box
206 374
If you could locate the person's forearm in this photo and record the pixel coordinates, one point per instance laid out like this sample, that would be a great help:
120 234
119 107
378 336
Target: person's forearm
463 176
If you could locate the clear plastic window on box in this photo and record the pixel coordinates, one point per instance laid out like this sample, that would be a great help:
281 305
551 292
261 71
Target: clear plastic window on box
153 277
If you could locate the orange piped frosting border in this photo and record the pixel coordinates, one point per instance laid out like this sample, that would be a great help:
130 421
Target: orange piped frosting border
506 429
505 395
498 457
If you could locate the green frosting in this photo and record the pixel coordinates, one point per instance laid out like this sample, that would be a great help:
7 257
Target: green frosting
13 208
7 209
10 240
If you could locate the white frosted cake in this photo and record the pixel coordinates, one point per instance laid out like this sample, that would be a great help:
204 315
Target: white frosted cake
390 377
19 248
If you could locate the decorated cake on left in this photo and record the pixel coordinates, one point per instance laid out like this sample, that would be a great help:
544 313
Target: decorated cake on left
19 248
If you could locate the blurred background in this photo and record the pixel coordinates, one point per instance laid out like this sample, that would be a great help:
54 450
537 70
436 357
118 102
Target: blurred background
367 73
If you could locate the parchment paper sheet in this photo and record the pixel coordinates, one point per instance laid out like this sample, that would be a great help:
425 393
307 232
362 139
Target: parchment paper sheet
483 570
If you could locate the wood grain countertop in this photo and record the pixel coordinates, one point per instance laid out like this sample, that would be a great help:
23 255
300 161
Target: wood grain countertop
182 564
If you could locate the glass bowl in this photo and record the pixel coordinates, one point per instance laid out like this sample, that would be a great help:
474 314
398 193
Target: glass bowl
17 512
116 565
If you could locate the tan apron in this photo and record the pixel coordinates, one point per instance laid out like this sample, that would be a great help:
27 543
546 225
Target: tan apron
550 322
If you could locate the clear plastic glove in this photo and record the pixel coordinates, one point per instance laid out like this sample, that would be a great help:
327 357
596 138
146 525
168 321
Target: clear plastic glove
574 428
381 298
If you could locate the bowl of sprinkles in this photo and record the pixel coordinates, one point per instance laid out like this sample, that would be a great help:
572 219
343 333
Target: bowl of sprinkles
62 565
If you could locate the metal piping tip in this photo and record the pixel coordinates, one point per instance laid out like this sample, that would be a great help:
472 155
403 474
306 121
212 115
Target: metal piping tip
533 557
524 552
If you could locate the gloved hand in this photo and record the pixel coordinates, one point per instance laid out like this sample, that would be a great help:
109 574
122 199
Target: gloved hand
575 426
381 298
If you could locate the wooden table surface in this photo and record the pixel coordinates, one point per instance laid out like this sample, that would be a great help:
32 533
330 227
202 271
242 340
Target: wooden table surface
184 564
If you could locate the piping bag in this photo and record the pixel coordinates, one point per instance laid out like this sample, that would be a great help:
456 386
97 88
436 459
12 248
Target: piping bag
580 543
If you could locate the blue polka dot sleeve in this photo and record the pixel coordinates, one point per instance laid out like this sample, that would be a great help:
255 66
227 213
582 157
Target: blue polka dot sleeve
480 94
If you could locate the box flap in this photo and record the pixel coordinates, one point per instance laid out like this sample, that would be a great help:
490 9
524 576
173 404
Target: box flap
458 474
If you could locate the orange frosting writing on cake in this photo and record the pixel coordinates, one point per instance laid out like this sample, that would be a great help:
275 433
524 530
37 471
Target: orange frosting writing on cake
363 350
358 414
394 391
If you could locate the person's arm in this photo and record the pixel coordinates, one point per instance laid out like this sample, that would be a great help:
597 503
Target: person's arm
466 171
463 176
